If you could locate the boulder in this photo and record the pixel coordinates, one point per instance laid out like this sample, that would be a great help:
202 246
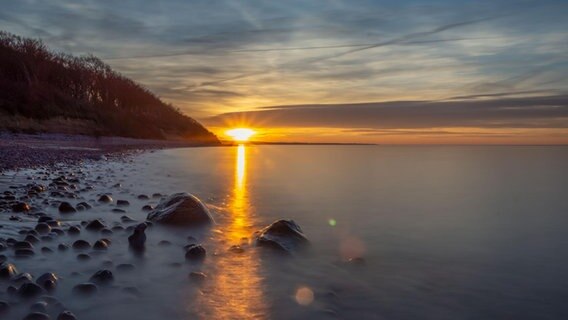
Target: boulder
282 235
181 209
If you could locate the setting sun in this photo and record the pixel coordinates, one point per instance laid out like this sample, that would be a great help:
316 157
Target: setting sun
240 134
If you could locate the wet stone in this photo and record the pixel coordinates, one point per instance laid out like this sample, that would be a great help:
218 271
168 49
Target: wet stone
46 250
81 245
37 316
62 247
73 230
23 245
31 238
100 245
195 252
122 203
43 228
29 290
24 253
95 225
7 270
22 277
198 277
66 315
66 207
105 199
21 207
83 257
40 306
86 289
124 267
102 277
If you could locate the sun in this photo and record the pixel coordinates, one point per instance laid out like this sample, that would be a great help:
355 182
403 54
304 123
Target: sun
240 134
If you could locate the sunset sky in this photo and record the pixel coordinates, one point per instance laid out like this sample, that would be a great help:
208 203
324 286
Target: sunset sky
332 71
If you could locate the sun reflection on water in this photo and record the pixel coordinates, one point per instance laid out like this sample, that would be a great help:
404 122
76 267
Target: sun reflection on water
236 287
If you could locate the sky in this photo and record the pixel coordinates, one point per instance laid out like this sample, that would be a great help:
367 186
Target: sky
386 72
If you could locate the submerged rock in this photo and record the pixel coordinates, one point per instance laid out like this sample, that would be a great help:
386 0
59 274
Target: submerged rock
105 198
195 252
138 238
95 225
102 277
29 290
85 289
21 207
181 209
66 315
37 316
282 235
66 207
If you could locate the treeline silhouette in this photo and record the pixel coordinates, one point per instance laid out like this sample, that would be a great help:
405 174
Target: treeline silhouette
40 84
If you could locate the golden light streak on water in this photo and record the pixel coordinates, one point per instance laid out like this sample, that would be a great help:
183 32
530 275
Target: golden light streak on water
235 291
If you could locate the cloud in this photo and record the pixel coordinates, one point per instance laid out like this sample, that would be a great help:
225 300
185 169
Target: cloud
528 112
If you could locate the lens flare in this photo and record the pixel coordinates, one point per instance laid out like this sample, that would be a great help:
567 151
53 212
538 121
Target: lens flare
240 134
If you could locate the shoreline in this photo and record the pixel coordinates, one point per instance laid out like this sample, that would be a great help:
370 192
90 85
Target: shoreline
29 151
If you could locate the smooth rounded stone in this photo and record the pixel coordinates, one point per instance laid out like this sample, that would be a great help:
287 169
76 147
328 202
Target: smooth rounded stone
40 306
37 316
21 207
83 257
46 250
122 203
147 207
29 290
124 267
12 291
81 245
137 239
195 252
44 219
62 247
107 264
100 245
143 197
102 277
7 271
164 243
181 209
282 235
42 228
105 198
48 280
57 231
84 206
95 225
23 245
66 315
31 238
4 308
198 277
66 207
117 228
117 210
24 253
22 277
49 237
86 289
156 195
74 230
106 232
236 249
126 219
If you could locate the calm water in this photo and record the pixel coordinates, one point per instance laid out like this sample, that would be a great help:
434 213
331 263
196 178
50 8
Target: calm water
446 233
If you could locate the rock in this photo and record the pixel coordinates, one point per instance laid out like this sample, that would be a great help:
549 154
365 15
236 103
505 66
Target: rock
31 238
138 238
48 280
100 245
86 289
95 225
131 290
40 306
7 271
357 261
24 253
236 249
156 195
164 243
29 290
181 209
282 235
44 219
74 230
198 277
83 206
81 245
83 257
66 207
147 208
42 228
105 198
23 245
22 277
21 207
126 219
195 252
46 250
143 197
62 247
106 232
122 203
66 315
37 316
102 277
116 210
